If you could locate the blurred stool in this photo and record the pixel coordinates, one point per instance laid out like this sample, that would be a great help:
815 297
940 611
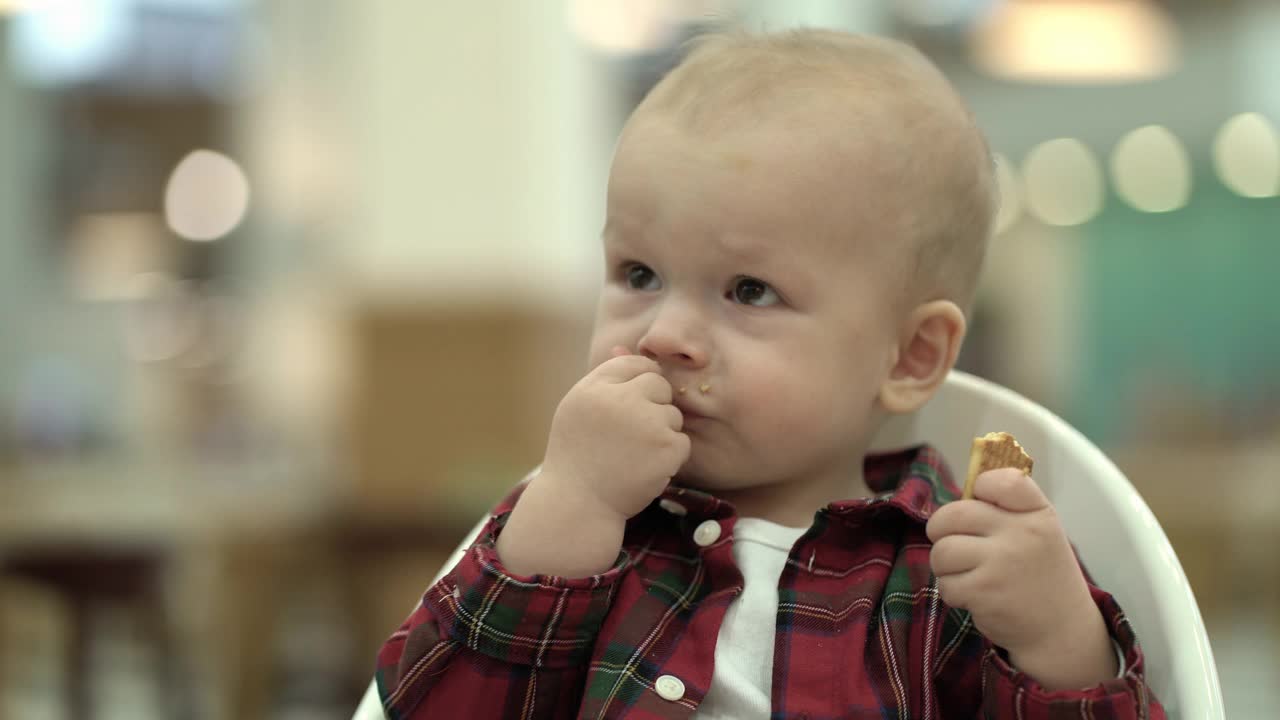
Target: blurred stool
121 660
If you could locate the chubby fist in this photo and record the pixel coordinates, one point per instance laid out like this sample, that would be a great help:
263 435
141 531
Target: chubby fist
1005 558
616 436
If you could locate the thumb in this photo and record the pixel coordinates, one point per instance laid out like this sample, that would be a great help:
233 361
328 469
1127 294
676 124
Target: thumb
1010 489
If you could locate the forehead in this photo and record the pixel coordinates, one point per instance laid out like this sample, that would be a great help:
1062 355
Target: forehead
757 189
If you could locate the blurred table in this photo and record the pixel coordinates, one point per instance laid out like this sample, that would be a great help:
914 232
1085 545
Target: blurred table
124 502
200 552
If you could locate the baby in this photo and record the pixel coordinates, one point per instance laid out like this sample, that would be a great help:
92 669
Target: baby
795 227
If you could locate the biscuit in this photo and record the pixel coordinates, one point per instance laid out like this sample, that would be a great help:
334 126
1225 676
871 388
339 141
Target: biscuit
991 452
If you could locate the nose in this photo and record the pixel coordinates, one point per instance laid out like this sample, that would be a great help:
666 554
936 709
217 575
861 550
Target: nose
674 337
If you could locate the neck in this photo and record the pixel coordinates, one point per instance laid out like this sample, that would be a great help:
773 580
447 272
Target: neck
793 502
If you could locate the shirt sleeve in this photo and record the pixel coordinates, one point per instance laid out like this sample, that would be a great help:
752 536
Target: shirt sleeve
1005 692
497 644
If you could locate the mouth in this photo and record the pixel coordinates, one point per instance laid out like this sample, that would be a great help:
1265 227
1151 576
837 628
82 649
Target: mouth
688 412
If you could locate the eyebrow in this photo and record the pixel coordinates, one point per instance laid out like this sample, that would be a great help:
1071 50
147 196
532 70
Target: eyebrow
612 230
612 238
768 258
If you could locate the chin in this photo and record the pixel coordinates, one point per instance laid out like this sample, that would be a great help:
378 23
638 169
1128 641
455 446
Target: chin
707 481
692 478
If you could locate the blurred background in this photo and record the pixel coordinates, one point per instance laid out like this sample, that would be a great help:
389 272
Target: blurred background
289 290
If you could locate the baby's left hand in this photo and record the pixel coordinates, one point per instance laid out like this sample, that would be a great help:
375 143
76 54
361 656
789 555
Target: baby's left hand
1005 558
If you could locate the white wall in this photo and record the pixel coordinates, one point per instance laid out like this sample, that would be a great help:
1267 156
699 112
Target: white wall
468 144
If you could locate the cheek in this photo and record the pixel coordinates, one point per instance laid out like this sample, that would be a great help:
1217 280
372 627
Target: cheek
605 337
778 389
599 351
618 322
791 395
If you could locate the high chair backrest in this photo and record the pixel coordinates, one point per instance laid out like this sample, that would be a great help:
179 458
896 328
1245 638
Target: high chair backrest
1117 537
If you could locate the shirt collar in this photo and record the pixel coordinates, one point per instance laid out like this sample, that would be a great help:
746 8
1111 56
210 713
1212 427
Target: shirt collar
915 480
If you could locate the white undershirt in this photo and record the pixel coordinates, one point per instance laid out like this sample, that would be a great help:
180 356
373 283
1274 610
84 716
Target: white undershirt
742 682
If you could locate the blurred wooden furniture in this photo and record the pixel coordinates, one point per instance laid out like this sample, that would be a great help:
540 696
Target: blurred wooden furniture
161 542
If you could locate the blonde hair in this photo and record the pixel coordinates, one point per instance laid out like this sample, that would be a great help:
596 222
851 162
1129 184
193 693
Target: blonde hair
935 146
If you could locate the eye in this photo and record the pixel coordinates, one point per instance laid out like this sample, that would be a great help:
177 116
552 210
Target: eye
640 277
750 291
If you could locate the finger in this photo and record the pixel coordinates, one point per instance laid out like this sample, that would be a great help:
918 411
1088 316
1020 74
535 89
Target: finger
964 517
619 351
683 447
622 368
675 418
957 554
956 589
653 387
1011 489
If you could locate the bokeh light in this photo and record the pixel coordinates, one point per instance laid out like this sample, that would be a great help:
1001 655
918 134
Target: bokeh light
1076 41
63 42
207 196
624 26
1246 154
1152 170
1063 182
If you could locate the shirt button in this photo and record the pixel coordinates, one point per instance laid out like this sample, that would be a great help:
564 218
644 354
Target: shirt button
707 533
669 687
672 507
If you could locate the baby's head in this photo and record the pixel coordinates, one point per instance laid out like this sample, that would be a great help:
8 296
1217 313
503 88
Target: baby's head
795 225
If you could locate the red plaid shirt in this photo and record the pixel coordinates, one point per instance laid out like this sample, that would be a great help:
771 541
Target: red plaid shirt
861 630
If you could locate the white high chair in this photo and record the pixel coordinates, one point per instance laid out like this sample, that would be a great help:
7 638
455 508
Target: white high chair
1115 533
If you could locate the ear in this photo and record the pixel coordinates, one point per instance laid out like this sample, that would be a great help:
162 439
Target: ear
927 348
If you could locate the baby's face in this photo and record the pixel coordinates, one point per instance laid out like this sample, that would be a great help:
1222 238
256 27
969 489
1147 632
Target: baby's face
750 268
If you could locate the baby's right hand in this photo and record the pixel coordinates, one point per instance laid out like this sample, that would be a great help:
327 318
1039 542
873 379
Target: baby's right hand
616 436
